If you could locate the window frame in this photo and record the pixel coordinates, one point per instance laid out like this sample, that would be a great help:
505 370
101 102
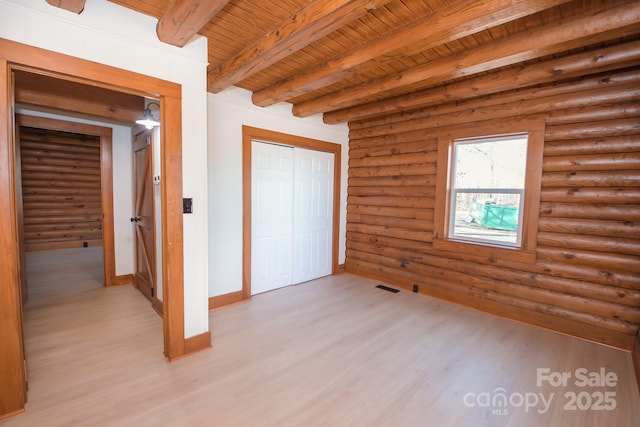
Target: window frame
526 251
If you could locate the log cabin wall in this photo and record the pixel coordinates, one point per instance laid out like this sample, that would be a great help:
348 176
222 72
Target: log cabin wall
586 278
61 189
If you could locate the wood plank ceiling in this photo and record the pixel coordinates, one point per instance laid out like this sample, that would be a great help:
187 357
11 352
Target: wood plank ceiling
358 59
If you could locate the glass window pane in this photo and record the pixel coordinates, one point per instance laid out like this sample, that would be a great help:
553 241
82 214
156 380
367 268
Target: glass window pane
486 217
490 162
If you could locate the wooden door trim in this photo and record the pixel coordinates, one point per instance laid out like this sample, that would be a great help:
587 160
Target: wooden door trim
15 55
12 372
250 134
156 303
172 231
24 290
106 178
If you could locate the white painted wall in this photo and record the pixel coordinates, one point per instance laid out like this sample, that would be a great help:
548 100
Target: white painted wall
122 187
228 111
110 34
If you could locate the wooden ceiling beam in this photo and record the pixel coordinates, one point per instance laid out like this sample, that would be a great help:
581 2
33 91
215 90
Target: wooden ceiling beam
33 90
452 23
314 21
621 89
75 6
594 27
184 18
592 62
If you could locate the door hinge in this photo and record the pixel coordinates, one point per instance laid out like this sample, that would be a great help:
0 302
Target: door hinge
148 140
151 291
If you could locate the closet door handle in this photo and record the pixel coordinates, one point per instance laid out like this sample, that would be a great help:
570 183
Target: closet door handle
135 219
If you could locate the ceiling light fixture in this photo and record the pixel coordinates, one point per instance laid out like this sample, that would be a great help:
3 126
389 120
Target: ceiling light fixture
148 120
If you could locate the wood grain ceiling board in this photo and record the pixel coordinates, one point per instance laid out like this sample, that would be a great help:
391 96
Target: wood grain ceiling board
402 59
241 22
368 27
371 26
406 58
363 30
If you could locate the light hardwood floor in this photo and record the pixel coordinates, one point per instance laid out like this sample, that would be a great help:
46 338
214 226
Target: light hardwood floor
64 271
331 352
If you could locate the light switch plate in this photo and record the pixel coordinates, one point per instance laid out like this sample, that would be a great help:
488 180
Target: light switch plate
187 205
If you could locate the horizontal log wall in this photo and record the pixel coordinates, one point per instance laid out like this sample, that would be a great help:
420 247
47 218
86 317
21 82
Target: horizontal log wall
586 279
61 189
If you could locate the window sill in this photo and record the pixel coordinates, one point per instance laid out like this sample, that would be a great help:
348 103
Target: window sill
489 252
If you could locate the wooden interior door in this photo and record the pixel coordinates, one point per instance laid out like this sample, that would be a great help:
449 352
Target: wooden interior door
143 219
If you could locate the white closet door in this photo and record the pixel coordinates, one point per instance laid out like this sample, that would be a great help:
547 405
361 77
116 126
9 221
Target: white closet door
271 217
312 214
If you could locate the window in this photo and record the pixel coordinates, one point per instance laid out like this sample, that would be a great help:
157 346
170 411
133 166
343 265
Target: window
488 190
487 193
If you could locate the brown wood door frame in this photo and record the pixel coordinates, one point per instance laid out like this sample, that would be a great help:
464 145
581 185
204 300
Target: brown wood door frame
19 56
20 211
106 178
250 134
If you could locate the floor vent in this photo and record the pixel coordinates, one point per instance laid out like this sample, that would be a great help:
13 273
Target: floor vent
386 288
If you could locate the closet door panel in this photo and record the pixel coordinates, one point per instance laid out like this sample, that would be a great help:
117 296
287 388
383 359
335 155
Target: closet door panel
312 214
272 217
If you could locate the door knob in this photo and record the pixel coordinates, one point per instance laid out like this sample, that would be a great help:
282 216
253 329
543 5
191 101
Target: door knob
135 219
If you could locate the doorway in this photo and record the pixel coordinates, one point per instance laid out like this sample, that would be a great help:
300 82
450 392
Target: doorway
280 265
64 184
18 56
